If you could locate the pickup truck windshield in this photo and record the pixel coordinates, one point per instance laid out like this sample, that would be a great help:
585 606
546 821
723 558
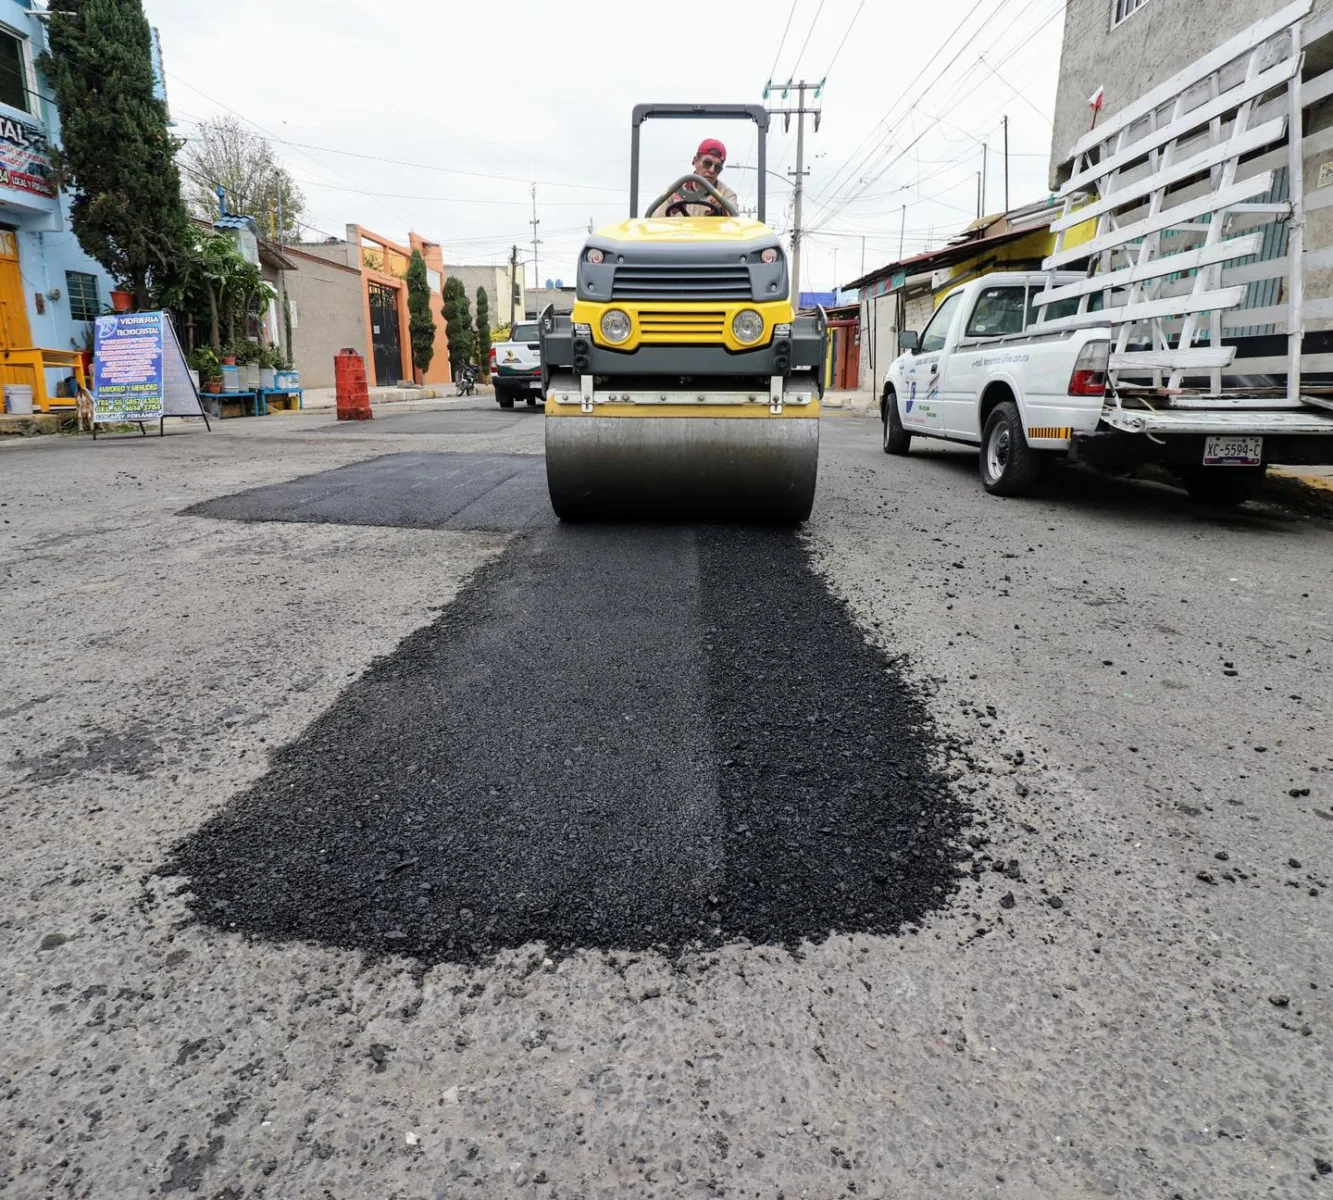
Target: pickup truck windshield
524 333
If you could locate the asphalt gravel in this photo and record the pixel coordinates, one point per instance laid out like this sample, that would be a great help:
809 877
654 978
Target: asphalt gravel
617 737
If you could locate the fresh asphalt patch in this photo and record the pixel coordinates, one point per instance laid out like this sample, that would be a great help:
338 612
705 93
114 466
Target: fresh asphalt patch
616 737
504 492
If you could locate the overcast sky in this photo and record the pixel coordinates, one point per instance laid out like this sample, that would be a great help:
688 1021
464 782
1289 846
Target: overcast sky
474 102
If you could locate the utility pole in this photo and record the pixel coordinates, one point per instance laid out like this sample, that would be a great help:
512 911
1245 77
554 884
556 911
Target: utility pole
514 284
800 112
902 233
1006 164
863 254
978 195
835 273
984 151
536 270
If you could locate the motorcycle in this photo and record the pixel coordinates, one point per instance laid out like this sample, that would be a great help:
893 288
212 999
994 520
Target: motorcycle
467 381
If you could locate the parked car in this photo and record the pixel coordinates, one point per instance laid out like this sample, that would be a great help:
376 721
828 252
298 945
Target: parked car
516 366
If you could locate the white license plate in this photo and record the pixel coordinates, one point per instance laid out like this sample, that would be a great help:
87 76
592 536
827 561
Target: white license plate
1233 451
536 383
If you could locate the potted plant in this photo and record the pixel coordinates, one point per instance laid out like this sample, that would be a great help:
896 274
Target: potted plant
270 363
228 356
249 355
205 363
121 300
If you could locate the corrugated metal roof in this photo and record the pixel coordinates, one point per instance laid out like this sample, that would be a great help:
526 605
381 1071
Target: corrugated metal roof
934 260
232 221
1020 221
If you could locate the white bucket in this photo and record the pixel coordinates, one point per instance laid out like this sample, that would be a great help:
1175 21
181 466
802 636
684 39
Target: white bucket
18 399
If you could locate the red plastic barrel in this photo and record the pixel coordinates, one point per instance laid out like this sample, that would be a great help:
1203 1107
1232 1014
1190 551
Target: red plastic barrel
349 377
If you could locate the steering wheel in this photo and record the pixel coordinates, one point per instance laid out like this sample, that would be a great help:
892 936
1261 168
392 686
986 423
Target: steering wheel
712 199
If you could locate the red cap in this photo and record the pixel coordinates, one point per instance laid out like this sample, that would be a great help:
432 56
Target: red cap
713 147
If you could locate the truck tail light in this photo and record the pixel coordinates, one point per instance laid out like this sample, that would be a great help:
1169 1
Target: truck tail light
492 360
1089 377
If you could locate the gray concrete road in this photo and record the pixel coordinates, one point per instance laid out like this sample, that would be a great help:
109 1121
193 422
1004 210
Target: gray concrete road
954 847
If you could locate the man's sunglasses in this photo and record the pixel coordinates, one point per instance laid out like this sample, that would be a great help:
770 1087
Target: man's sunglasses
710 164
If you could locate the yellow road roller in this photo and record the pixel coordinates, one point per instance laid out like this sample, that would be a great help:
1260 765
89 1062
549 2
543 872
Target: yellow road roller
684 385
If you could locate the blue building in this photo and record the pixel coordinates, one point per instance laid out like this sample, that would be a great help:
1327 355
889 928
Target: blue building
50 290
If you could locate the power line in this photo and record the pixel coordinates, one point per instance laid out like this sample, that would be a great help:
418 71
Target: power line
916 104
846 34
254 124
398 162
754 134
889 112
797 68
438 199
981 58
248 201
844 198
395 161
783 42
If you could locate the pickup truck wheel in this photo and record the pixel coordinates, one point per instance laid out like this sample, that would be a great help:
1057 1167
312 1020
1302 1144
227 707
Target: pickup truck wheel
896 439
504 397
1009 466
1223 487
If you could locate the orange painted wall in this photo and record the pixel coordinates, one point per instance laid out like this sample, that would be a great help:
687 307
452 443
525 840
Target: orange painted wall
385 262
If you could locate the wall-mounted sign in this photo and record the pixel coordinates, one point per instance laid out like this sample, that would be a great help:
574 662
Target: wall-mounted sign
25 161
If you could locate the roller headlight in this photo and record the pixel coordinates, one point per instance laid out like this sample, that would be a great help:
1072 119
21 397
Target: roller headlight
595 256
615 326
748 326
769 256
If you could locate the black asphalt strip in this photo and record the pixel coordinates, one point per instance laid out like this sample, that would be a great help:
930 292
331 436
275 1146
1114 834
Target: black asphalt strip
615 738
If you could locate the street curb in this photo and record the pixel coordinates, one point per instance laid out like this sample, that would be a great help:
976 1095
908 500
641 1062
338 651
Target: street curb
1312 492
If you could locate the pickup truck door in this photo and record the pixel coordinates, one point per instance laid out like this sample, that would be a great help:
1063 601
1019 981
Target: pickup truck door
997 312
923 408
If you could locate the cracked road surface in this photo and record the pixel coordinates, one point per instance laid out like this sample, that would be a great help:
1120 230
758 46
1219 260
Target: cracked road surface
368 833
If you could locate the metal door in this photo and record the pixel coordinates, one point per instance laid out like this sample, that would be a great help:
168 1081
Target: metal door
385 336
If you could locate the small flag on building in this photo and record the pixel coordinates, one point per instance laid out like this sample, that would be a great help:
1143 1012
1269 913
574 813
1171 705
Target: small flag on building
1095 102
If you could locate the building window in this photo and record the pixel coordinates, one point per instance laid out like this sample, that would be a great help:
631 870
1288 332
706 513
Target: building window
1124 8
82 290
13 72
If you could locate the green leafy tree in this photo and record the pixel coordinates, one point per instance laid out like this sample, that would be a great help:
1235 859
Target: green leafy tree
459 333
117 156
421 321
484 332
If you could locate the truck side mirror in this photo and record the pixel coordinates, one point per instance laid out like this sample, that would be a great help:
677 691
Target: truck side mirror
909 340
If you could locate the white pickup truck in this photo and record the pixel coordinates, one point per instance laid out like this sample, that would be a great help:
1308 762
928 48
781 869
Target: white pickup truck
516 366
982 372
